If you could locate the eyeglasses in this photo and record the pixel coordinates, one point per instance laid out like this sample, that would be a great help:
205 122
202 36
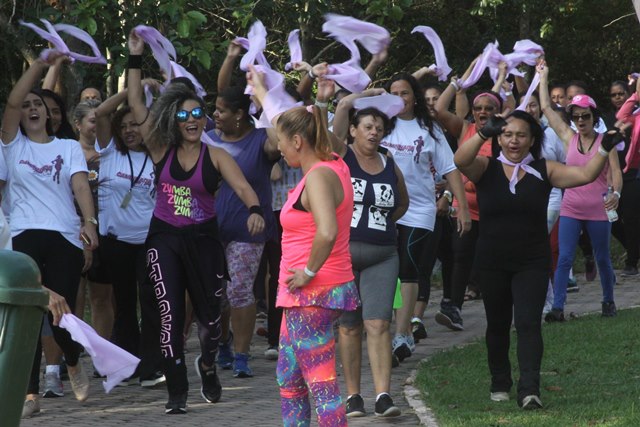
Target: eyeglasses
621 94
487 108
585 117
183 115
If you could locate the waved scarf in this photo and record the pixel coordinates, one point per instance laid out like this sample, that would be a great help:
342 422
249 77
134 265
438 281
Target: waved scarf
524 165
161 47
441 67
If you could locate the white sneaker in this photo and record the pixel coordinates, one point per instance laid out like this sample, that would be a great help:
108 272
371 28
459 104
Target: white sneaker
80 383
30 407
411 342
271 353
500 396
52 385
400 347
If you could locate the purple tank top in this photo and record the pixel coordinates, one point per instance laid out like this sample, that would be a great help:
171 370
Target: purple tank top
183 202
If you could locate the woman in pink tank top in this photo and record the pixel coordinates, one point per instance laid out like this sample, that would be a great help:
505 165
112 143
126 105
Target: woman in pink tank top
316 280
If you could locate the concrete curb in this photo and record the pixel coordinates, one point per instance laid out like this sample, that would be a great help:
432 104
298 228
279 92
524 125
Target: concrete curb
415 401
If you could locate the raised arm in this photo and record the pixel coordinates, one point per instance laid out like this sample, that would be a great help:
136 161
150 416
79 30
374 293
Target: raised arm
103 117
233 176
462 104
466 157
555 121
341 118
452 122
53 74
376 61
226 70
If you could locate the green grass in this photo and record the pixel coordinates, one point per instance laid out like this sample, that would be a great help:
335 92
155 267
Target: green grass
590 377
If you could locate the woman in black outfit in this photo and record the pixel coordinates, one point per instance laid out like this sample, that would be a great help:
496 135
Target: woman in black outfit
513 254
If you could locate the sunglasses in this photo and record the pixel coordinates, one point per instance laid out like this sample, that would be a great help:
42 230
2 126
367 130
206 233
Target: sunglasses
621 94
488 109
183 115
585 117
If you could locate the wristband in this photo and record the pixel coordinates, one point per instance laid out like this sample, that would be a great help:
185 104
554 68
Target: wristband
617 194
92 220
508 93
603 152
321 104
135 62
455 85
256 209
311 75
482 137
447 194
309 272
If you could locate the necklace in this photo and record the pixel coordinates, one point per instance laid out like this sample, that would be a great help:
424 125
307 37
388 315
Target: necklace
581 148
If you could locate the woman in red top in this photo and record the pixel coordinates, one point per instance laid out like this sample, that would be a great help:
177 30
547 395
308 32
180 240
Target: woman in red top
316 281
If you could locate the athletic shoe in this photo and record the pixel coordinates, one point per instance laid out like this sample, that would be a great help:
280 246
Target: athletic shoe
176 404
400 347
153 380
80 383
385 407
132 380
395 362
499 396
609 309
555 315
572 285
418 330
30 407
211 389
355 406
589 269
629 271
449 316
411 342
225 354
531 402
52 385
241 366
271 353
261 309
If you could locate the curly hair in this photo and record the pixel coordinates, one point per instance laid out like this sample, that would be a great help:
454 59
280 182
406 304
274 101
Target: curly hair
164 126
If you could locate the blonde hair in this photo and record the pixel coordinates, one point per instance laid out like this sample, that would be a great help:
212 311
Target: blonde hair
310 125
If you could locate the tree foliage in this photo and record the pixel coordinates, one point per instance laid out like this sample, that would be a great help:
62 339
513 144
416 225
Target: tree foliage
574 33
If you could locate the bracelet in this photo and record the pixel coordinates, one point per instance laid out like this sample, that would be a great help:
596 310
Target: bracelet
447 194
603 152
311 75
135 62
256 209
321 104
508 93
455 85
482 137
92 220
617 194
309 272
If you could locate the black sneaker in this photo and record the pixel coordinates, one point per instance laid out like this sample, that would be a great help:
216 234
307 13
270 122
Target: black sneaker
629 271
401 347
531 402
385 407
176 405
572 286
395 362
355 406
555 315
211 389
418 330
609 309
449 316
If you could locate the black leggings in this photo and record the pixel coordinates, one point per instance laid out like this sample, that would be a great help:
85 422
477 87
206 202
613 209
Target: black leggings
60 264
126 264
464 251
521 296
173 269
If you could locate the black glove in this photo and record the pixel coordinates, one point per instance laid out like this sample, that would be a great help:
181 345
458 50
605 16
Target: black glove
611 139
493 127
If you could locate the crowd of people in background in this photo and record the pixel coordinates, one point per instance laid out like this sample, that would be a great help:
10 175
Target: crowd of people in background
167 214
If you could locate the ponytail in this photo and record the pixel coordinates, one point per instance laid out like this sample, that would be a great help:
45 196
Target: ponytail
311 124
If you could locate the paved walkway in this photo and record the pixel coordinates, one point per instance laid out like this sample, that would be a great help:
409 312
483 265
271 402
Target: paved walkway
255 401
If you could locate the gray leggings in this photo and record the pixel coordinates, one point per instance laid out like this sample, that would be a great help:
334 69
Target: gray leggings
376 273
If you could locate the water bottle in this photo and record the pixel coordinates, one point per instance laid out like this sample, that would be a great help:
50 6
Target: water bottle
612 215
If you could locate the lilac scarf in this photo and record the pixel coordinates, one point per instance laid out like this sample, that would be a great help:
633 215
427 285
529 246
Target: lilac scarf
108 358
178 70
441 67
161 47
294 48
52 36
532 87
524 165
390 105
346 30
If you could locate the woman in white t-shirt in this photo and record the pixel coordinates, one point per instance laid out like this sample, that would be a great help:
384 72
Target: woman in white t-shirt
126 198
420 150
46 174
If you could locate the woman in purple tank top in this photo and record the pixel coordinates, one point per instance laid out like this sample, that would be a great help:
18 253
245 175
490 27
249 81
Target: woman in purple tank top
183 247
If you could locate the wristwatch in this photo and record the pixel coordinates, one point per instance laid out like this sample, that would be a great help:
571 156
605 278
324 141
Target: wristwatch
447 194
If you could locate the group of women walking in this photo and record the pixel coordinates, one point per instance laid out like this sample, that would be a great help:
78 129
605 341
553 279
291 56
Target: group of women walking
172 223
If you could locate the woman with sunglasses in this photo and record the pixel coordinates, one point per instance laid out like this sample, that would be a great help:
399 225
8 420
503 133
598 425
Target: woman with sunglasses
421 151
183 246
46 175
484 105
380 199
583 206
255 151
627 230
513 256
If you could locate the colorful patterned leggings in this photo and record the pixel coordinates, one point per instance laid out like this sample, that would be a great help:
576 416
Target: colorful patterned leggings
307 361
